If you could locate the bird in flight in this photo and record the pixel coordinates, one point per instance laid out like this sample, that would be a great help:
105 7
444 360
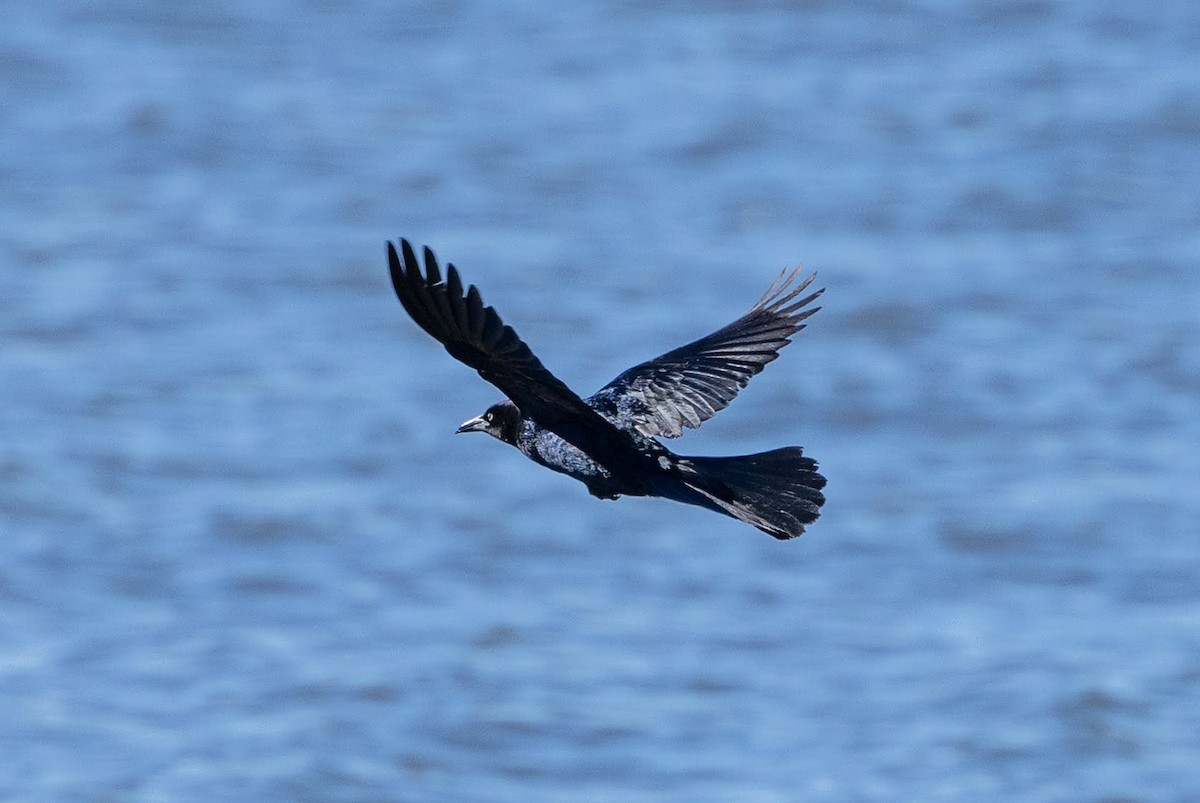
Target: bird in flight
609 441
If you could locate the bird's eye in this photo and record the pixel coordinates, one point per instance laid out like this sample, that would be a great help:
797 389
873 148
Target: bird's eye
489 417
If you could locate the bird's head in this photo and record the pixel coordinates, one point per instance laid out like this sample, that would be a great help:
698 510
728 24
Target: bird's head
500 421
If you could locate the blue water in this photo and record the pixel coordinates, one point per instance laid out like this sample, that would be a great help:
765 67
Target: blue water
243 556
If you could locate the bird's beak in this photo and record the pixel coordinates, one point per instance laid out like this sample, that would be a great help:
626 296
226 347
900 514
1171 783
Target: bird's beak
476 424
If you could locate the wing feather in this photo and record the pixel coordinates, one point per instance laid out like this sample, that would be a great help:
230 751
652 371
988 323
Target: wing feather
475 312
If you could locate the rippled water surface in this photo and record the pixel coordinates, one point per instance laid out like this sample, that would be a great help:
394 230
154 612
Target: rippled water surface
243 557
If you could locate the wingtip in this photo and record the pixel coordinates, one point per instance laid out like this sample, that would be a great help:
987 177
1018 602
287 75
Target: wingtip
395 270
410 256
782 292
393 257
433 276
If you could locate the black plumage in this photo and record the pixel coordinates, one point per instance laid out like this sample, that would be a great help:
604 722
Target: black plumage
608 441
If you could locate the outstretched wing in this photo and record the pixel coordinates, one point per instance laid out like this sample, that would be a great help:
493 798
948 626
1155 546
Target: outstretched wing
474 334
688 385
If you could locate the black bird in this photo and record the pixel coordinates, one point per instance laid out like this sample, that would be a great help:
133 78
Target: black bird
608 441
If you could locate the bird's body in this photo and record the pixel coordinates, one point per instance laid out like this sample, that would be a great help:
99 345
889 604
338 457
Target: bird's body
544 447
609 441
541 445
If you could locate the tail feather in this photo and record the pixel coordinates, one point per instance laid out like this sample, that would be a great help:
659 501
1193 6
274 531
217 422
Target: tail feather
779 491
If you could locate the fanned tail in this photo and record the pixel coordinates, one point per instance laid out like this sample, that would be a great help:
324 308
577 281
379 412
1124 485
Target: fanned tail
779 491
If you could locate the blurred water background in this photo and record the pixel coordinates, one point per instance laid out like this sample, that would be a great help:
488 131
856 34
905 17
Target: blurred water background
243 556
